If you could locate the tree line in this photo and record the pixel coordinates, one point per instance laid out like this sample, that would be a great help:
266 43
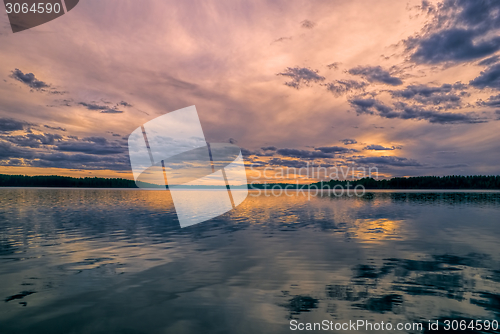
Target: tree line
64 181
419 182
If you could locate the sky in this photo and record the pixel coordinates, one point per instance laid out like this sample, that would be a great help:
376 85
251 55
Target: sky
411 88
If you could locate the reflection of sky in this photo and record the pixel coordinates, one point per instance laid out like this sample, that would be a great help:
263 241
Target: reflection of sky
89 254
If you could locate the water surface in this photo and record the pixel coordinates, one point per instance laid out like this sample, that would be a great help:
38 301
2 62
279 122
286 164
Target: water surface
116 261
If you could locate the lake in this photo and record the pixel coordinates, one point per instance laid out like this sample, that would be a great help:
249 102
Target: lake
116 261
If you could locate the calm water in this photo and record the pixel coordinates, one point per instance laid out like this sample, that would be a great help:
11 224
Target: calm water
116 261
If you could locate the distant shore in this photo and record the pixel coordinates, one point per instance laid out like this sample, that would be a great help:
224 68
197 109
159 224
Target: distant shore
455 182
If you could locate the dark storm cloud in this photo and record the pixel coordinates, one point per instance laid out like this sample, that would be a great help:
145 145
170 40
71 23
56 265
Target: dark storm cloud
450 96
404 111
29 79
461 30
340 87
376 74
348 141
488 78
303 154
381 148
34 140
335 149
9 124
489 61
390 161
301 76
269 148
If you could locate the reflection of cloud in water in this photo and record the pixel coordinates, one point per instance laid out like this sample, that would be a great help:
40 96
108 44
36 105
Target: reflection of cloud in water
120 254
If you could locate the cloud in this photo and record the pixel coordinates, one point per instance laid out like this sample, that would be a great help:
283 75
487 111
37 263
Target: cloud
427 7
269 148
29 79
247 153
307 24
301 76
425 90
456 166
51 150
376 74
335 149
92 106
54 128
381 148
340 87
334 65
493 101
89 148
282 39
461 31
8 151
80 161
488 78
97 140
34 140
232 141
92 145
489 61
111 111
348 141
326 152
404 111
124 104
388 160
448 95
372 106
287 163
9 124
304 154
102 108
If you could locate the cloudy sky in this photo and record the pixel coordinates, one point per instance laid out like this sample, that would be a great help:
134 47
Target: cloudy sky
412 88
